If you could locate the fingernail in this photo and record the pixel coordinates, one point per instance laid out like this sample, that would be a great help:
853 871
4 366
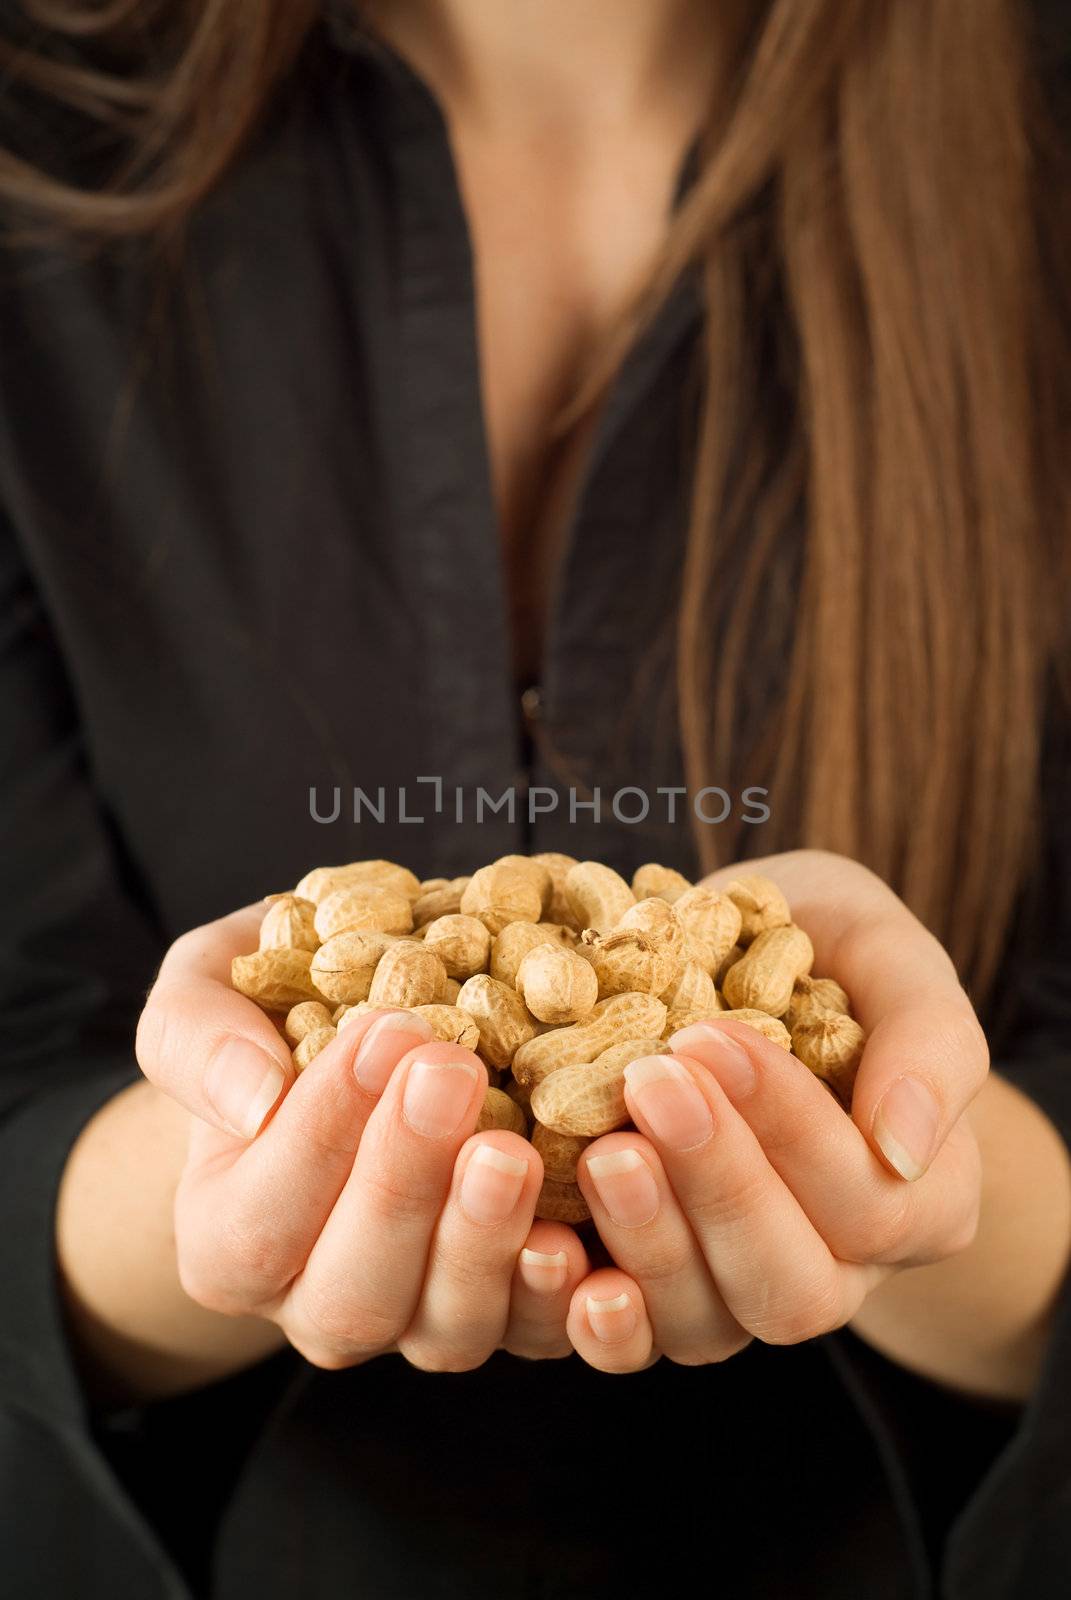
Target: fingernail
383 1046
669 1102
543 1274
437 1096
242 1084
626 1186
491 1185
724 1055
905 1127
611 1320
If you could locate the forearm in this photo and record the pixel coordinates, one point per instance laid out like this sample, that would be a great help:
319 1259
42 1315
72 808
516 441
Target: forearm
137 1334
979 1321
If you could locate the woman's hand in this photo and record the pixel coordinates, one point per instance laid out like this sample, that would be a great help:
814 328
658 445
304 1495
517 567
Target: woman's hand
749 1205
364 1216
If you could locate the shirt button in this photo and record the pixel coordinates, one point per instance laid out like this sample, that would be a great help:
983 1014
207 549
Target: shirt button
532 704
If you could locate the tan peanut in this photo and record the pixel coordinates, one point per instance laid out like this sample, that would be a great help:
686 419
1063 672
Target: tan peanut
408 975
711 923
561 1202
520 1094
730 960
597 895
499 895
831 1045
462 944
692 990
812 998
306 1018
311 1045
538 873
513 944
679 1018
322 881
450 1024
557 985
499 1111
363 906
500 1014
761 904
276 979
451 992
652 881
629 1016
343 967
765 975
289 923
559 866
438 897
763 1023
589 1098
625 961
559 1152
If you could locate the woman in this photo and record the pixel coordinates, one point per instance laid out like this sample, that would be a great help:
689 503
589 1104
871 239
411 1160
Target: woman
399 404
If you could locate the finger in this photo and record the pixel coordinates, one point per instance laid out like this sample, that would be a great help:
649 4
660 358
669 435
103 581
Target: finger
775 1273
926 1056
608 1323
867 1213
207 1046
549 1268
248 1215
464 1307
362 1284
642 1225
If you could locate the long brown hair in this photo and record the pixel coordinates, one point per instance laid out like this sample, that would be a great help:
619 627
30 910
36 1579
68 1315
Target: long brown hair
879 225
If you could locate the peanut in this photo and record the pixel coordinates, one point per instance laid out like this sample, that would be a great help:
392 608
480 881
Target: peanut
763 1023
536 871
765 975
589 1098
625 961
597 895
450 1024
311 1045
408 975
812 998
556 985
561 1202
321 881
499 895
343 967
653 881
289 924
711 924
559 1152
730 960
276 979
559 866
513 944
630 1015
363 906
306 1018
761 905
462 944
831 1045
499 1111
439 897
692 990
500 1014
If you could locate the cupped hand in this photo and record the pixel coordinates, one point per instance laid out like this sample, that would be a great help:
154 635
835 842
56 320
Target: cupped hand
352 1205
749 1205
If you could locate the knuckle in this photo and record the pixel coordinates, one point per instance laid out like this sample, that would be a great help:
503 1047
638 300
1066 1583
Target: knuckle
738 1196
397 1199
881 1233
796 1320
205 1287
338 1327
428 1356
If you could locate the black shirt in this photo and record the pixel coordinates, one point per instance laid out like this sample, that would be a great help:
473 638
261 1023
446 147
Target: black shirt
249 551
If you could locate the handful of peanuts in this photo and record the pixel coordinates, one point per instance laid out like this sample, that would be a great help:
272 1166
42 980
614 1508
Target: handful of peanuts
557 973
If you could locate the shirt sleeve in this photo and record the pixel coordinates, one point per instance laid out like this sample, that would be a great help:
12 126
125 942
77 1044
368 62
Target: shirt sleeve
76 953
